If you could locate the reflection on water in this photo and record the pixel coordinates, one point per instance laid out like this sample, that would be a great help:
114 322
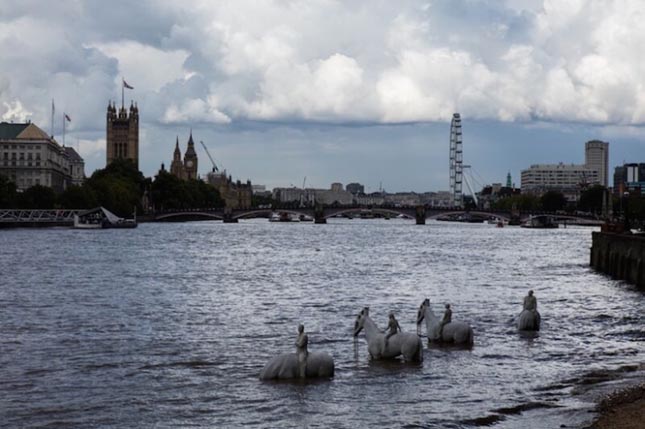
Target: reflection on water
170 324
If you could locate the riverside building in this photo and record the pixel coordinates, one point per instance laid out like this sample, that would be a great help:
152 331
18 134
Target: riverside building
28 157
569 179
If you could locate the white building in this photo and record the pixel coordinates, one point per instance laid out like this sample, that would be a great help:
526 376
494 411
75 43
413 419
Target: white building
437 199
597 158
569 179
28 157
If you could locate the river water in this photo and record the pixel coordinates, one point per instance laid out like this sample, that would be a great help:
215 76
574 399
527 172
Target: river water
169 325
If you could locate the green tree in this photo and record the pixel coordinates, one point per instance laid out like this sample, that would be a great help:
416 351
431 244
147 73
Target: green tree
552 201
78 197
523 202
37 197
591 199
261 200
118 187
168 192
7 193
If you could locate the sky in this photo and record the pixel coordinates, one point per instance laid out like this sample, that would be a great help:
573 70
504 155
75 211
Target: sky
286 92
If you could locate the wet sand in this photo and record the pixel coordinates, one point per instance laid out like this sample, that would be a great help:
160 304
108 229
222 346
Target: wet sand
623 409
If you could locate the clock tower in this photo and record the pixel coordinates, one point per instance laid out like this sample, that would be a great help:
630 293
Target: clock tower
190 159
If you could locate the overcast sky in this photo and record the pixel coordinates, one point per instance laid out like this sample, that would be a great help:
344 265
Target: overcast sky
335 91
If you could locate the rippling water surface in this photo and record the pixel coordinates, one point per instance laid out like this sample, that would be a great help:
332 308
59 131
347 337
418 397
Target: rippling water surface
169 325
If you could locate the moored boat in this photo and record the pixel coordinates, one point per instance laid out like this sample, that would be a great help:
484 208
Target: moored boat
102 218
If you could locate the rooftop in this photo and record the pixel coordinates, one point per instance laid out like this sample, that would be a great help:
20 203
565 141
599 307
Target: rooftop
21 131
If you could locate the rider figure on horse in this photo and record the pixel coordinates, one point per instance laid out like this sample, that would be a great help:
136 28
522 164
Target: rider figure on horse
392 328
301 351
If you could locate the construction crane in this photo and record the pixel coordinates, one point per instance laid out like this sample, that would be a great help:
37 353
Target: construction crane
215 169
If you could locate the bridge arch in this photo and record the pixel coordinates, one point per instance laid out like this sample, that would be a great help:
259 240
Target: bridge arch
178 216
387 211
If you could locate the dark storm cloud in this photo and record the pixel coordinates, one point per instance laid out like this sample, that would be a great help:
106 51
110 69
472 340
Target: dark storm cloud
223 66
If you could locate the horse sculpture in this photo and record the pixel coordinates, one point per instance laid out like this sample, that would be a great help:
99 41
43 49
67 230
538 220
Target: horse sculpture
285 366
401 343
302 364
529 320
454 332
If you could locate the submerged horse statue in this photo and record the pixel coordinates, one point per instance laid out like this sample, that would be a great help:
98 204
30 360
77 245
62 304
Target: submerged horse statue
285 366
453 332
401 343
529 319
302 364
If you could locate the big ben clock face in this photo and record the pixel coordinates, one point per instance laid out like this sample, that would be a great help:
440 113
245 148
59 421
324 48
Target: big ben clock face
189 163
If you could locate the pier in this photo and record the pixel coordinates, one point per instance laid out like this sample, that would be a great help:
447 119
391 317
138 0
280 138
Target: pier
619 256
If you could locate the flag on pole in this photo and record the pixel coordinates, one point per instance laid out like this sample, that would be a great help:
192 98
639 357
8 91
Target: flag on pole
125 85
53 107
67 117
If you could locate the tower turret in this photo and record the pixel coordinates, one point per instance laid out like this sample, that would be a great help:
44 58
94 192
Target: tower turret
176 166
190 159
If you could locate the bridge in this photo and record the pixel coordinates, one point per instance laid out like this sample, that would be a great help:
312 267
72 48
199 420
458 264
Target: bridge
320 214
31 218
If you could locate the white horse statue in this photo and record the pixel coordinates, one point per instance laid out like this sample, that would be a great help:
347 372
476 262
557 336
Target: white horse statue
529 320
285 366
454 332
401 343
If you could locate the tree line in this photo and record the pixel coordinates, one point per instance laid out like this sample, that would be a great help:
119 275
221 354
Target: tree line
630 206
121 188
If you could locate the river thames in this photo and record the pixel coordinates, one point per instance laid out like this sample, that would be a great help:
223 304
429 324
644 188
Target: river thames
169 325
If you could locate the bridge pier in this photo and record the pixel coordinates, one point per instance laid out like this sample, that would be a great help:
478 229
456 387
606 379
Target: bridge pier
420 215
319 215
228 216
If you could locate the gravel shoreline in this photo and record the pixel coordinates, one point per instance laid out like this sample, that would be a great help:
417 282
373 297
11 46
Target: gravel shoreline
622 409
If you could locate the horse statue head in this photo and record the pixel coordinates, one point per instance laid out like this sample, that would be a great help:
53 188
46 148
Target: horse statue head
421 314
360 320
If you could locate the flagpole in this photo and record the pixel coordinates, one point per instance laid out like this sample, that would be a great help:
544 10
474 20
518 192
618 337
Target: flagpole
122 92
63 129
52 133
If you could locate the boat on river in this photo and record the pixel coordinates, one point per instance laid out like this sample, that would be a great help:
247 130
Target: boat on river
283 217
540 222
102 218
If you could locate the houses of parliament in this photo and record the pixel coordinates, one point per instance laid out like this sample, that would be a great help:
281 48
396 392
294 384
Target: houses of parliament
186 169
122 142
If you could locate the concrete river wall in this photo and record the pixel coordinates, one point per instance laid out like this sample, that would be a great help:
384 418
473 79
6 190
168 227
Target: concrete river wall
622 256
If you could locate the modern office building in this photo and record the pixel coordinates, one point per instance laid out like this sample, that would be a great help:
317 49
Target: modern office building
629 177
28 157
122 134
597 158
570 179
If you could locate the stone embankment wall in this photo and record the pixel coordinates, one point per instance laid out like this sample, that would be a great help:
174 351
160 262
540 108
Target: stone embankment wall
622 256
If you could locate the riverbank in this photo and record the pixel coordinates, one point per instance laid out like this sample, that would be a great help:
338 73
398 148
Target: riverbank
622 409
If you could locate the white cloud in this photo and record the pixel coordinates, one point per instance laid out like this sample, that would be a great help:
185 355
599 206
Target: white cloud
14 112
195 110
145 66
415 61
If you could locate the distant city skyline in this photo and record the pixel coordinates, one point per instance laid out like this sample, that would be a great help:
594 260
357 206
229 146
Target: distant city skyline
277 91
